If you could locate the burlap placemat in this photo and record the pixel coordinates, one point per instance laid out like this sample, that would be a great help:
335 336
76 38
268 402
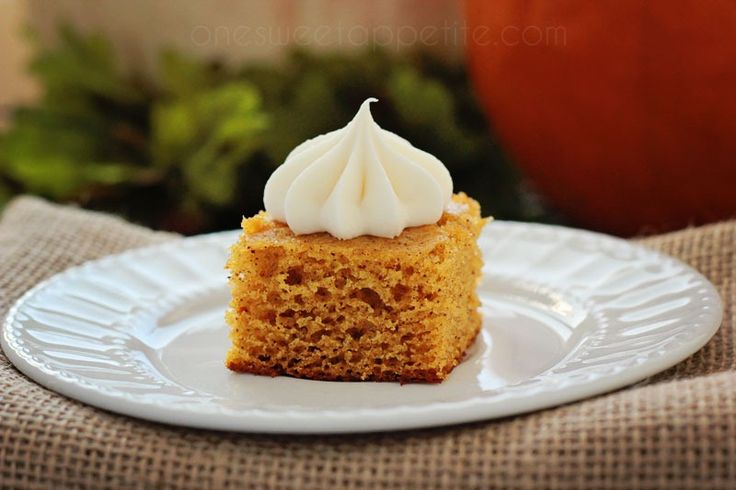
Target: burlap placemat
677 430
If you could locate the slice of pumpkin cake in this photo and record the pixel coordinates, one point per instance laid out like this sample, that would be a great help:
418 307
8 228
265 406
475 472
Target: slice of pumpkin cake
363 267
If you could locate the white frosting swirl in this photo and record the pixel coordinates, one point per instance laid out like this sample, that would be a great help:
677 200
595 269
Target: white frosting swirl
358 180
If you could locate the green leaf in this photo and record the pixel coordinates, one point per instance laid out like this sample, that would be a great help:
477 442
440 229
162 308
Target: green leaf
209 135
312 109
430 106
111 173
174 127
183 76
47 156
81 65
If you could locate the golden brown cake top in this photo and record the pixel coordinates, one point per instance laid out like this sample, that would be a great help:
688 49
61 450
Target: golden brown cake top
462 216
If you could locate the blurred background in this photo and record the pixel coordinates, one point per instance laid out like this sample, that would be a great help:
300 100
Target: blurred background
614 115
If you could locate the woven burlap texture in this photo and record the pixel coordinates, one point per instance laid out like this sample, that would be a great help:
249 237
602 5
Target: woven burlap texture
676 430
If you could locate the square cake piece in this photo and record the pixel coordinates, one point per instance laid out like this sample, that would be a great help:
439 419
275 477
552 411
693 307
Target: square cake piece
369 308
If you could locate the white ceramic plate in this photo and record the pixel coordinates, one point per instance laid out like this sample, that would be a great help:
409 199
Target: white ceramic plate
567 314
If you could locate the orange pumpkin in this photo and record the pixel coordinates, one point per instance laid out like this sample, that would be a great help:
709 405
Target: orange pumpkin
621 112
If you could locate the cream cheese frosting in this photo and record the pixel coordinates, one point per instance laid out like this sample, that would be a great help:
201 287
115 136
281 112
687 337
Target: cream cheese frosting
358 180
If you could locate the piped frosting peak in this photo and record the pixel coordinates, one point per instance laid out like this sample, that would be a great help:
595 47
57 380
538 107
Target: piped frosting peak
358 180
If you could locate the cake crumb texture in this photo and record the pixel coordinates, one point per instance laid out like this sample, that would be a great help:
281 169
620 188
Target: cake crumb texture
370 308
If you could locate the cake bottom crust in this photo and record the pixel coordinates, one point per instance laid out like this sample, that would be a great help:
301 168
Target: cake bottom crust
415 375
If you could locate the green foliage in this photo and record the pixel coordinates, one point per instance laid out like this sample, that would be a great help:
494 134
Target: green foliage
193 151
208 136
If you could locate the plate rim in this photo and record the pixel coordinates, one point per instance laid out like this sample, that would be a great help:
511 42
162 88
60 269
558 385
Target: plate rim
433 414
